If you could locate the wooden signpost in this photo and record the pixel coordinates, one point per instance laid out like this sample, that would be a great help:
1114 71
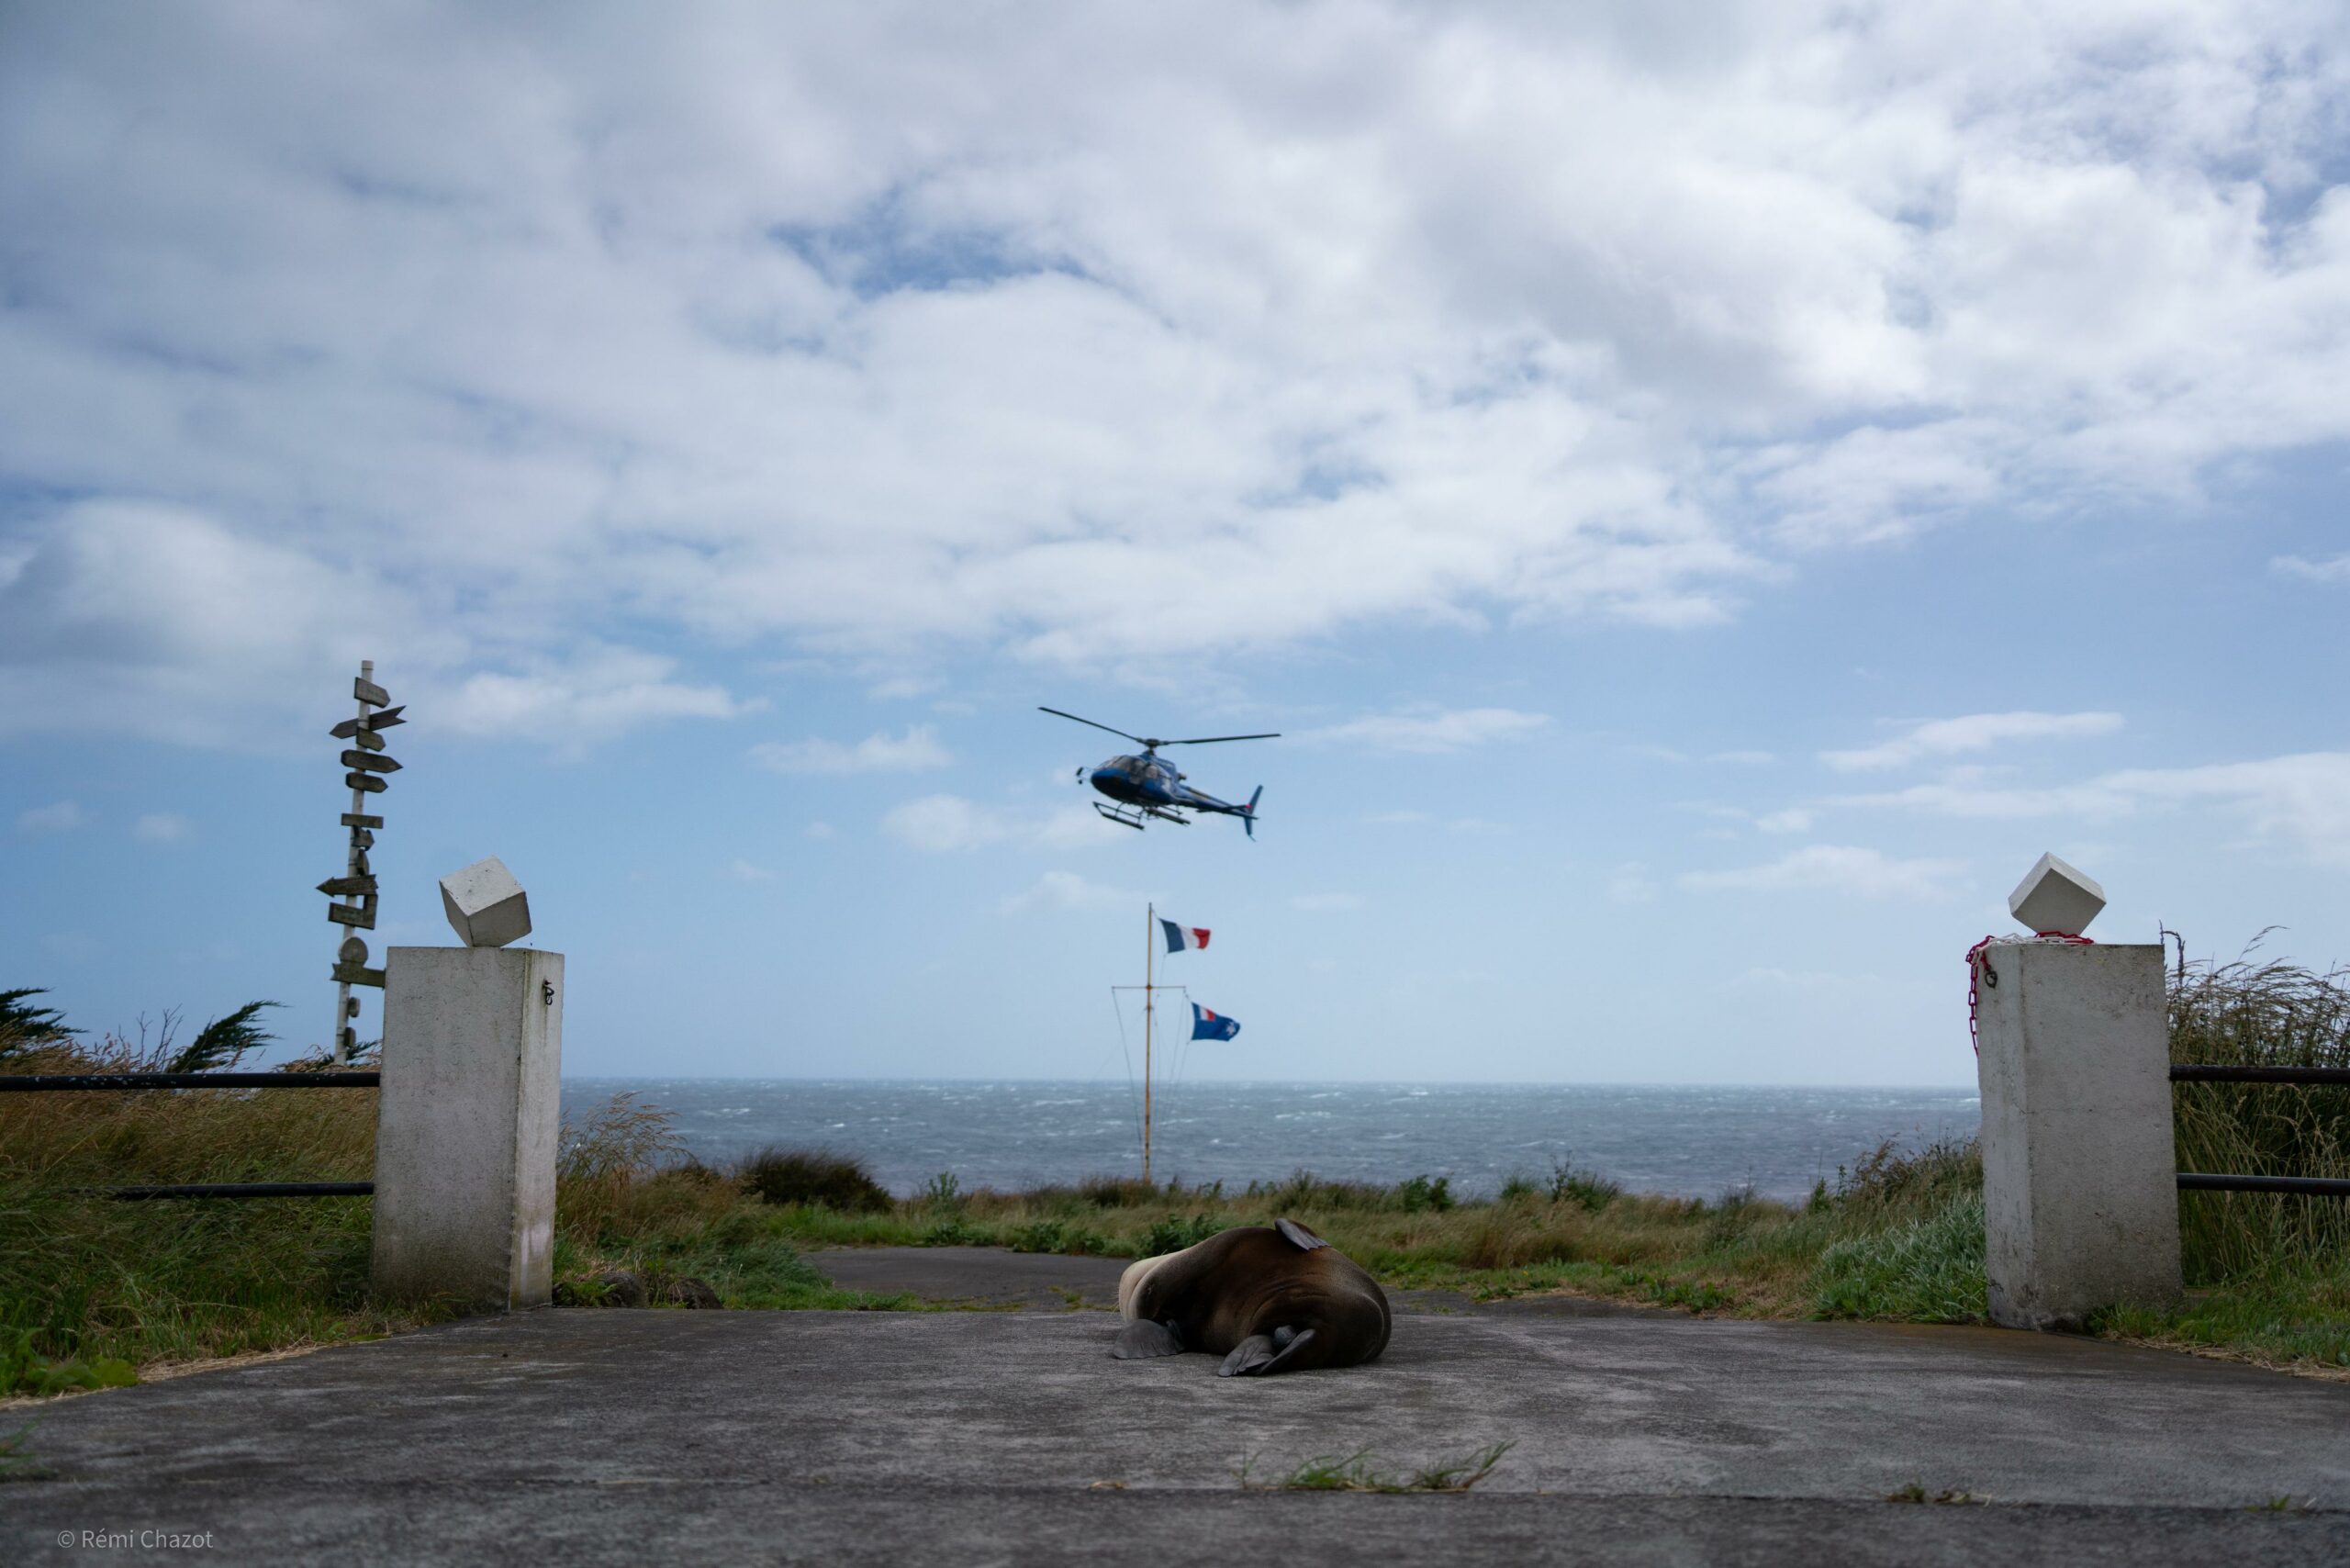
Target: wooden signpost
368 764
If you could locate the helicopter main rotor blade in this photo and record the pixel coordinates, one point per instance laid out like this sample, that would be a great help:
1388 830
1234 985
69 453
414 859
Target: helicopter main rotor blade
1211 740
1059 714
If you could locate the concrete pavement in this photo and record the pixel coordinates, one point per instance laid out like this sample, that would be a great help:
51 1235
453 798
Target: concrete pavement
1012 1437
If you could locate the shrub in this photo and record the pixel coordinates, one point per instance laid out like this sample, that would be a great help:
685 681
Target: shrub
1053 1236
1117 1191
1588 1189
1303 1191
778 1175
1174 1233
1887 1184
1516 1186
1421 1194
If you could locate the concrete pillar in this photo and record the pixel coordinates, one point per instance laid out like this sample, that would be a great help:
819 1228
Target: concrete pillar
2079 1167
466 1137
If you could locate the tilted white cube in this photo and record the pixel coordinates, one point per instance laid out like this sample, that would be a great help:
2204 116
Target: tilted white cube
2056 897
485 905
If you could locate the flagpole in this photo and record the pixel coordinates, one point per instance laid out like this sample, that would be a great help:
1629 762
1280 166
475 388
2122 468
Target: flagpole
1150 953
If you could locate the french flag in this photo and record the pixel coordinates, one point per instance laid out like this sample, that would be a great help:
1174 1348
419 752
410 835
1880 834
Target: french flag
1180 937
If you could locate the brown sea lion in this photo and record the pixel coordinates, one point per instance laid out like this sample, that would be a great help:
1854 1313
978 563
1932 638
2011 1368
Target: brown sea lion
1268 1299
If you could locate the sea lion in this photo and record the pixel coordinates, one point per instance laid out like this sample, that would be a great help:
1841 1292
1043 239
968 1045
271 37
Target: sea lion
1267 1298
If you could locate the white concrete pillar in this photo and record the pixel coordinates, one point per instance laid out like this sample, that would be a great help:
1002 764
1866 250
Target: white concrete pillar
466 1137
2080 1166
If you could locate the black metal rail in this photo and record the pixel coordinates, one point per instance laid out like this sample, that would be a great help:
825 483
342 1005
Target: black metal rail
35 1082
2306 1077
26 1082
248 1190
2202 1073
2307 1186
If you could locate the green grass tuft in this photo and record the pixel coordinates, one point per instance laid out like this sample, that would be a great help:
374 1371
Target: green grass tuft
1928 1271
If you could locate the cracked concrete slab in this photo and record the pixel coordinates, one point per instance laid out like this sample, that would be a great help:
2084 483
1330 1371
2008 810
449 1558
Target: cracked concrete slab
857 1437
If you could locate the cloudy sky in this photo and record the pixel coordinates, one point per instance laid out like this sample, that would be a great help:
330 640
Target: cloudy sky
1708 492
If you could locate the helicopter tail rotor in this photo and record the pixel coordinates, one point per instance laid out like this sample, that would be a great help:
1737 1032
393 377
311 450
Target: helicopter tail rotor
1249 813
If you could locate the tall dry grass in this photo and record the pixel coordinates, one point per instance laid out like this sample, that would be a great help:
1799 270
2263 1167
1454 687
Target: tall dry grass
84 1275
2260 1013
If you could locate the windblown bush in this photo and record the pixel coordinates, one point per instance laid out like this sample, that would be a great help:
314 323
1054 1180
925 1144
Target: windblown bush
778 1175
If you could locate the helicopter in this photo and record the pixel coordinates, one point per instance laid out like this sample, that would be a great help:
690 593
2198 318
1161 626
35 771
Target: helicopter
1150 786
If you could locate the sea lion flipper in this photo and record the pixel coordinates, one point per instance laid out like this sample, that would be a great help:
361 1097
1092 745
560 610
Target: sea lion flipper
1255 1351
1298 1236
1143 1340
1257 1356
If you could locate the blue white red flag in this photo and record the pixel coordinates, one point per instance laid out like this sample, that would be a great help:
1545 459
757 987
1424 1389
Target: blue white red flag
1179 937
1207 1025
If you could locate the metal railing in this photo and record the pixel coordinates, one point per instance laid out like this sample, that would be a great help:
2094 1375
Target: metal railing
40 1082
2303 1186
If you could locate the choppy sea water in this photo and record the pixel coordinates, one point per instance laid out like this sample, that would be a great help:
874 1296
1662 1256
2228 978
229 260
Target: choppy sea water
1693 1142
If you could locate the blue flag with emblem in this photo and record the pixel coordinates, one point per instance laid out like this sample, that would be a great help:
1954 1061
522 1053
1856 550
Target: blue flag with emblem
1208 1026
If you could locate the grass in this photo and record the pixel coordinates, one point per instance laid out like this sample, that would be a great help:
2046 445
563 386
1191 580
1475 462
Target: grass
2264 1013
87 1284
1897 1236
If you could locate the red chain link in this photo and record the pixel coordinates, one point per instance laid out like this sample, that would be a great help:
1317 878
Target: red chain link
1978 967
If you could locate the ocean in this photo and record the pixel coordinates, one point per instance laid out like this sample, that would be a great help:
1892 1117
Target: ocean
1690 1142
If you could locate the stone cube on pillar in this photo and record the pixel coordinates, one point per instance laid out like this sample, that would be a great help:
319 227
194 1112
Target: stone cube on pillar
468 1122
2079 1168
485 906
2054 897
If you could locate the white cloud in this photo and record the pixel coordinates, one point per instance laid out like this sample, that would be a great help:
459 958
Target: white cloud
949 823
1975 731
1793 819
2334 569
1324 903
745 871
604 692
914 752
1630 883
2302 801
1863 873
820 830
945 824
1429 731
1745 759
1065 891
161 827
62 817
859 331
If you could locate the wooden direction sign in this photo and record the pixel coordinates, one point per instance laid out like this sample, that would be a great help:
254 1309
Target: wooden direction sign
360 915
367 763
350 728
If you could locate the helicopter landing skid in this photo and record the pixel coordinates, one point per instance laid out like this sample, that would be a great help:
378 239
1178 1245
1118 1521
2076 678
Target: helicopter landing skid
1132 816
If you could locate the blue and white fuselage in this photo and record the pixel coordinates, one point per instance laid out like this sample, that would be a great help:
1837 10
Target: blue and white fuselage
1150 786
